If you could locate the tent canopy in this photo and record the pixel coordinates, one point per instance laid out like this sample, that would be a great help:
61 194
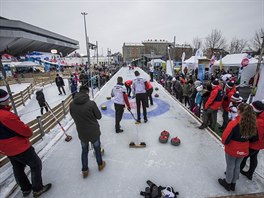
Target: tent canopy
191 61
25 64
234 60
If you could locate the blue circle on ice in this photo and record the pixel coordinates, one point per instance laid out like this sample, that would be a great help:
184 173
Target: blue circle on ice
162 107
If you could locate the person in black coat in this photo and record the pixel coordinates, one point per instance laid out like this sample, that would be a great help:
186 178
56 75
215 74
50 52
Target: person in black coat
60 84
41 100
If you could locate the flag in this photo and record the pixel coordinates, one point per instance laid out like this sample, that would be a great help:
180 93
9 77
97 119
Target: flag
220 63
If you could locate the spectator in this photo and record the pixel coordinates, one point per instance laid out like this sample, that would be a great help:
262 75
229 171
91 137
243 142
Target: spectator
256 143
178 90
212 105
85 114
236 140
198 100
73 85
151 71
15 144
232 109
41 100
60 84
230 90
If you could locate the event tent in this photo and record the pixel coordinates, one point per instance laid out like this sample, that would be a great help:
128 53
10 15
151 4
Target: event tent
233 61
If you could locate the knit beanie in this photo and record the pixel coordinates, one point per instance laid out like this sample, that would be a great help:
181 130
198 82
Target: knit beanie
230 84
4 96
258 106
199 88
236 98
215 82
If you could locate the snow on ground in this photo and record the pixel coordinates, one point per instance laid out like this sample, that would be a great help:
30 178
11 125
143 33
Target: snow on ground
16 88
191 168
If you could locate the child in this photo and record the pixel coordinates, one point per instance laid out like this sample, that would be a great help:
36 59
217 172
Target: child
235 101
198 100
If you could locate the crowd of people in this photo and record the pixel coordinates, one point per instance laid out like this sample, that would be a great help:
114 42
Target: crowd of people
242 130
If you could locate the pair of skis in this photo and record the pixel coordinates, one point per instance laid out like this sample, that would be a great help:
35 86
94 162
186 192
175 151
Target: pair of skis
133 144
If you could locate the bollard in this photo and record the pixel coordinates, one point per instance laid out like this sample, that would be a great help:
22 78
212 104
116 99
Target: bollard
40 126
21 94
63 108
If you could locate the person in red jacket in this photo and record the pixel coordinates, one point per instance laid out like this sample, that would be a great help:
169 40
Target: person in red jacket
236 140
230 90
149 89
14 143
256 143
128 84
212 105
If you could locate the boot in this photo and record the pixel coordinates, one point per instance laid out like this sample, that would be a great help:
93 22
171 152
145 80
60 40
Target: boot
101 167
43 190
202 126
246 174
85 173
26 193
233 186
223 183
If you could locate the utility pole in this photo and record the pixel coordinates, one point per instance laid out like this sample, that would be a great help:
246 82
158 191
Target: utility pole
7 87
259 63
97 52
88 51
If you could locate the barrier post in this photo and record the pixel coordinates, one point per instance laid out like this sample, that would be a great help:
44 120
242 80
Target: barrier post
40 125
63 108
22 97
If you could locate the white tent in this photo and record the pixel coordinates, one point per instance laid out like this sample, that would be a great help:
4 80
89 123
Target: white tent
260 92
233 61
156 62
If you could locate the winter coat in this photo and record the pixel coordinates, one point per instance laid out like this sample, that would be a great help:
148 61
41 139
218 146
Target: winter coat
177 86
259 143
148 86
40 98
214 101
73 85
14 134
128 83
198 99
186 89
227 98
235 144
59 81
85 114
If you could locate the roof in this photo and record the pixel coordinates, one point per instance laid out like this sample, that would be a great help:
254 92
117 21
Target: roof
19 38
235 60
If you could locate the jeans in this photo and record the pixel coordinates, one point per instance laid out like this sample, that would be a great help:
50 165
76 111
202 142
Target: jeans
85 151
19 162
232 168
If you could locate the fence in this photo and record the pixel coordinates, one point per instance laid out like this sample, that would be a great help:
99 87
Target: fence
43 124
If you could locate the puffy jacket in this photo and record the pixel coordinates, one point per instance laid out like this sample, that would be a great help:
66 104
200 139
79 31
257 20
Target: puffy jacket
235 144
85 114
59 81
129 83
148 86
259 144
40 98
14 134
227 98
215 99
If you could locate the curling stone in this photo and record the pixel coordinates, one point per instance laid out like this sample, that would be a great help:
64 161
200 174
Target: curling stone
175 141
108 98
156 95
156 88
166 133
103 107
163 139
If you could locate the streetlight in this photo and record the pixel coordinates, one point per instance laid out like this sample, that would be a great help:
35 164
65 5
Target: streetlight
88 50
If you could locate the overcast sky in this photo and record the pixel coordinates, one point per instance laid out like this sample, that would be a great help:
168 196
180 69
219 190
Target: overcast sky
112 23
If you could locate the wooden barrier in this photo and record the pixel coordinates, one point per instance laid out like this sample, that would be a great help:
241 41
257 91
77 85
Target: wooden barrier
46 122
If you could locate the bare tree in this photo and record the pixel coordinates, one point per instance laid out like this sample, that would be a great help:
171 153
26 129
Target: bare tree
197 43
215 40
237 45
257 40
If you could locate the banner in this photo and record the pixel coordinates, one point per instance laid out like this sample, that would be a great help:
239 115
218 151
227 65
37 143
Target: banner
201 72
